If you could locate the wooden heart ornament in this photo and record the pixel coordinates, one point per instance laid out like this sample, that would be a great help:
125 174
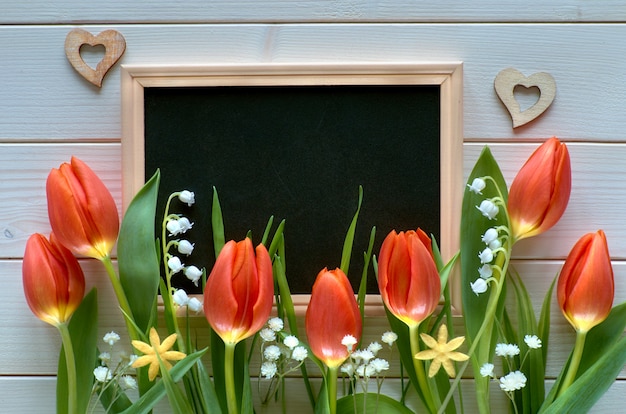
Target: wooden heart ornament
505 84
114 46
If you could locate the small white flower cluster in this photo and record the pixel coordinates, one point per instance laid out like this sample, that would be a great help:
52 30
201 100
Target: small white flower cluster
364 364
175 225
492 239
282 352
514 380
116 375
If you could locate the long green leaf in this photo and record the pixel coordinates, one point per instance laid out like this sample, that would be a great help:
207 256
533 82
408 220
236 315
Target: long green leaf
83 328
147 401
589 387
209 397
174 394
217 224
137 257
473 226
346 254
370 403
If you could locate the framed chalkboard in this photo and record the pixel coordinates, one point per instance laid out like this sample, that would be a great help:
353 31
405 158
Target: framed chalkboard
296 142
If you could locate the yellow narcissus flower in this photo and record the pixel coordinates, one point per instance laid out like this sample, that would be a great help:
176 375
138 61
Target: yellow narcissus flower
154 351
441 351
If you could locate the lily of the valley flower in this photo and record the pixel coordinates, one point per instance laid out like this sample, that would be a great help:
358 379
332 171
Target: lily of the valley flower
193 273
82 212
239 292
479 286
488 209
155 351
441 351
331 315
53 280
477 185
585 289
407 276
187 197
540 192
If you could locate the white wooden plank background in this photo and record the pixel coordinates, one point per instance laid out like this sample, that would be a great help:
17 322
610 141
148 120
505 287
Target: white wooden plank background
122 11
48 113
50 101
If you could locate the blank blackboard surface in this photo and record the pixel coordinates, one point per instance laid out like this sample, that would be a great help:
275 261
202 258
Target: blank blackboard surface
299 153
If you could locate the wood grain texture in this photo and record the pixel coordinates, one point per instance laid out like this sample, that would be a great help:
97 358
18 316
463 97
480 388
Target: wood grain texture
50 101
122 11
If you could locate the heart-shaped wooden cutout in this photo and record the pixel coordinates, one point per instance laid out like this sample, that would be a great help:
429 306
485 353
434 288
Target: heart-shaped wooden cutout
114 46
505 84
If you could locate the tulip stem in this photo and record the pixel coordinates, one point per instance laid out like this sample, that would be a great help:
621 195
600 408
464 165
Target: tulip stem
229 378
419 369
119 293
72 397
577 354
331 386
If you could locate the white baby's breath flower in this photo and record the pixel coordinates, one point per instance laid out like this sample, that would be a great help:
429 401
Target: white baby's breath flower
477 185
374 347
364 371
349 341
299 353
128 383
378 365
185 247
187 197
269 369
193 273
194 305
132 359
291 341
347 368
267 335
180 297
389 338
488 209
479 286
276 324
105 357
102 374
532 341
271 353
363 355
507 350
174 264
486 370
111 338
515 380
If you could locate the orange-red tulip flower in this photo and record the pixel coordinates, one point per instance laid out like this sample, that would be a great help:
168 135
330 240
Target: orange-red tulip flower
585 289
239 292
82 212
53 281
332 314
407 276
540 191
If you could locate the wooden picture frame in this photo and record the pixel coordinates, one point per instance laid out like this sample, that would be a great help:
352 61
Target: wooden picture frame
447 76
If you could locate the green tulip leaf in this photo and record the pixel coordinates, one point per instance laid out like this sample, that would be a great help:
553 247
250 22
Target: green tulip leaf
363 403
590 386
217 224
83 329
137 256
346 253
148 400
473 226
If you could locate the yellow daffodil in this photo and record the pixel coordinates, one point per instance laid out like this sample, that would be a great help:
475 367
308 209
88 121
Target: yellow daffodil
155 351
441 351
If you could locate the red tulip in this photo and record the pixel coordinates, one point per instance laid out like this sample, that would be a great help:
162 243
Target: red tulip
53 281
586 288
239 292
331 315
82 212
407 276
540 191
